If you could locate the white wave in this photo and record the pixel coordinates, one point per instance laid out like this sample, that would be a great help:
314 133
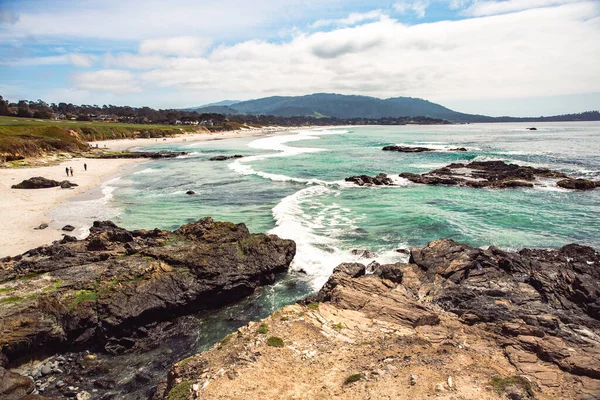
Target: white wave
438 146
145 171
277 143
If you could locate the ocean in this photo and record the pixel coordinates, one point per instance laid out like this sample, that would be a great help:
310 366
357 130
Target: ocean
292 185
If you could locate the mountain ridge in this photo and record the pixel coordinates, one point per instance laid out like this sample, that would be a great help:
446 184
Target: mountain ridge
357 106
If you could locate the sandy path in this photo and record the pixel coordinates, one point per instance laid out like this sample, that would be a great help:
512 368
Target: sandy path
23 210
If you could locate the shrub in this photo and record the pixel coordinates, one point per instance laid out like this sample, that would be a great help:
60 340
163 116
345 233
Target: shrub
274 341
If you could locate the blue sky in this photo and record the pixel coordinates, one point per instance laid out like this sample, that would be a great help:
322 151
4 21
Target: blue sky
509 57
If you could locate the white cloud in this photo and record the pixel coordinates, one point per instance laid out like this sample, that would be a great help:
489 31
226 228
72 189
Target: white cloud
484 8
110 80
419 7
81 60
186 46
352 19
135 61
76 59
545 51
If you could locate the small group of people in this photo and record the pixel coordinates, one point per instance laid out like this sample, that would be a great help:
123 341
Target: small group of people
70 169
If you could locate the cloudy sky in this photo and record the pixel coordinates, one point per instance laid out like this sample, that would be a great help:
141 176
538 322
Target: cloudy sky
509 57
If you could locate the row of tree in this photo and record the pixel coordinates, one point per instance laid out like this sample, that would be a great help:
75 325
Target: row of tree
146 115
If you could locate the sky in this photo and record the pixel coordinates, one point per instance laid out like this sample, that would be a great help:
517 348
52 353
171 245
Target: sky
509 57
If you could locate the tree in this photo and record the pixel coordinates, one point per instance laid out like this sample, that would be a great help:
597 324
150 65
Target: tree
4 107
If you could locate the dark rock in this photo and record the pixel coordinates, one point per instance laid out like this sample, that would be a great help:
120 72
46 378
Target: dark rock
532 129
223 158
578 184
142 154
117 281
37 182
483 174
67 185
410 149
68 228
407 149
41 226
362 180
190 192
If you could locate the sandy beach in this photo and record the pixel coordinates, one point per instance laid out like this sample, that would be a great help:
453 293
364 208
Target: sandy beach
131 144
23 210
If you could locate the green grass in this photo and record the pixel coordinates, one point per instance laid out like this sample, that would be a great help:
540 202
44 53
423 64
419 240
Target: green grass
11 300
263 329
500 384
338 327
6 290
224 341
352 378
181 391
82 296
274 341
313 306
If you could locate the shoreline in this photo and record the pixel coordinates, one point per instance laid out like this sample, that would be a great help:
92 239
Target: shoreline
25 209
132 144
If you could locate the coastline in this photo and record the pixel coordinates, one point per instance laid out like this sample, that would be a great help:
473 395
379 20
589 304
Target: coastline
25 209
131 144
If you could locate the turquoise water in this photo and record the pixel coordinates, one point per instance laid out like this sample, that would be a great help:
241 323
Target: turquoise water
292 184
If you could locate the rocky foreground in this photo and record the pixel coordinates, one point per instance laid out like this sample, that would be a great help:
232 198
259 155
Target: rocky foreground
111 291
484 174
455 322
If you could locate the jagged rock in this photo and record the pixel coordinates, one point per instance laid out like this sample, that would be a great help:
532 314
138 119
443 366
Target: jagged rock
362 180
484 174
223 158
579 184
67 295
68 228
37 182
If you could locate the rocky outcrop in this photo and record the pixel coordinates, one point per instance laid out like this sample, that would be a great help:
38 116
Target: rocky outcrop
578 184
141 154
416 149
454 322
110 290
378 180
494 174
39 182
223 158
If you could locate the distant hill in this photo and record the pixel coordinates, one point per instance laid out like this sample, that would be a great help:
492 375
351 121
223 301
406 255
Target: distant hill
344 106
323 105
223 103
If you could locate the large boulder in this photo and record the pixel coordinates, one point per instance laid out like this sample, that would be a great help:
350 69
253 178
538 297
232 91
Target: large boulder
96 291
37 182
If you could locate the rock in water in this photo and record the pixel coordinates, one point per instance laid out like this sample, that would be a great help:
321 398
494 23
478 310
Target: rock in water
223 158
190 192
578 184
102 289
362 180
494 174
68 228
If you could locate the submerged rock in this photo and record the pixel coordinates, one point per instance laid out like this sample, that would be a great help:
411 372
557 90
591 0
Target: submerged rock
115 286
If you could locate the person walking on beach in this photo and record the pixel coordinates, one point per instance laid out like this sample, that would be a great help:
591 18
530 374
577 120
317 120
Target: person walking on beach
71 169
67 170
84 166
